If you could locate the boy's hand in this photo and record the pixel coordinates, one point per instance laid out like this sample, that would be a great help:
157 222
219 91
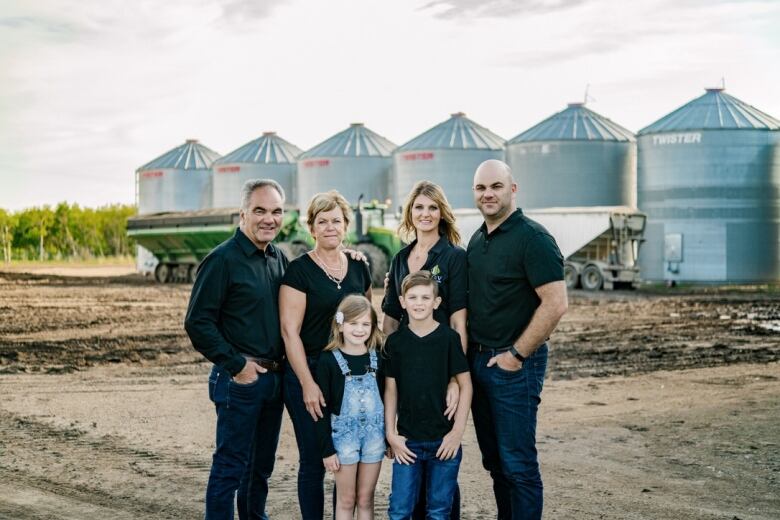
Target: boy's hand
449 446
453 396
331 463
403 455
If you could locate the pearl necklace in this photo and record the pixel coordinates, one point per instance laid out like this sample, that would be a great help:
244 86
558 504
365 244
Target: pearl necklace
326 269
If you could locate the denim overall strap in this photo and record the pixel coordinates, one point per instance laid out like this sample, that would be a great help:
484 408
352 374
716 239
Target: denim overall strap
342 362
373 360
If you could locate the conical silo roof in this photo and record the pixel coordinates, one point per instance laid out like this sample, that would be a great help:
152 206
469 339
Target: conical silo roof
715 110
355 141
575 123
458 132
266 149
190 156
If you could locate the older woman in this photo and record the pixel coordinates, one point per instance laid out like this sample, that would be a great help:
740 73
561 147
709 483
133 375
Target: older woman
312 288
428 222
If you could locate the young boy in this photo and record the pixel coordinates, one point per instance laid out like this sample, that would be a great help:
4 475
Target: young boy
422 357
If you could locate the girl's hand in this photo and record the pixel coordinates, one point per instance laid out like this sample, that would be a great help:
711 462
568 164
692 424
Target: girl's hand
331 463
449 446
313 400
453 396
403 455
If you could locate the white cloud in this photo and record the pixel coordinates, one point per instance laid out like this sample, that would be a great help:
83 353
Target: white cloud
91 90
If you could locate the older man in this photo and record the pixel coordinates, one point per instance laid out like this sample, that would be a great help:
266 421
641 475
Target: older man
516 297
233 320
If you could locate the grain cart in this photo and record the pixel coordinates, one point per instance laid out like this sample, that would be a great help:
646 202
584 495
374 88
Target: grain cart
180 240
600 245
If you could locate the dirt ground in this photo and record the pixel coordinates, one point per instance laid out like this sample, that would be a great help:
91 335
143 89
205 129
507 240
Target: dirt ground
657 405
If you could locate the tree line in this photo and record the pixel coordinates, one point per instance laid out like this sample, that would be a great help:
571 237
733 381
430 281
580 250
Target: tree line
66 231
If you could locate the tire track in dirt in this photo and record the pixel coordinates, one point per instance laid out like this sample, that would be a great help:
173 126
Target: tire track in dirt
51 460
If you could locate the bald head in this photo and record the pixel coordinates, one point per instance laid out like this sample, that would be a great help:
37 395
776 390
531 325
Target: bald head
494 168
494 191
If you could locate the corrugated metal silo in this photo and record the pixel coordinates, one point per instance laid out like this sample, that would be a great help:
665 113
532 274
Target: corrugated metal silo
709 181
574 158
355 161
447 154
267 157
178 180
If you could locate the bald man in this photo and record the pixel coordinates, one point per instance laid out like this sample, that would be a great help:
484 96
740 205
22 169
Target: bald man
516 297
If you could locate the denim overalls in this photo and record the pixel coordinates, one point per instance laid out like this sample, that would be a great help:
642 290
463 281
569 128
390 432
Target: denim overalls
359 429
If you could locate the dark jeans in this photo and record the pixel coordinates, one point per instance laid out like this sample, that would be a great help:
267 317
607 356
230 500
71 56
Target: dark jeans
311 472
249 418
422 506
441 478
504 409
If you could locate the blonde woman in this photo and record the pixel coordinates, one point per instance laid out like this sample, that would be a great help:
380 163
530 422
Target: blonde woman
351 432
429 225
312 288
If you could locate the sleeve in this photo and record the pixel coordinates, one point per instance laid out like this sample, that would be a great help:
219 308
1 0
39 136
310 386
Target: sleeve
457 359
367 281
387 360
201 321
322 426
543 261
390 304
458 293
295 277
381 372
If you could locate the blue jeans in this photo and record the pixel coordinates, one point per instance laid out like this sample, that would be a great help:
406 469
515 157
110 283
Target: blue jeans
504 409
311 472
249 418
441 479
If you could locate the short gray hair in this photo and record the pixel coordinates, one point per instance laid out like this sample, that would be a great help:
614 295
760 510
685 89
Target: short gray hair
255 184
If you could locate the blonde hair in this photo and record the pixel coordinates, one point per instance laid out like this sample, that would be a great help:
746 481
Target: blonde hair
325 202
354 306
447 227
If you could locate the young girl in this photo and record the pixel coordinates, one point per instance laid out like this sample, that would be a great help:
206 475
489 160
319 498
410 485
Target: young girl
351 432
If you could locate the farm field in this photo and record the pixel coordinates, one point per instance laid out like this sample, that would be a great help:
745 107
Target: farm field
657 405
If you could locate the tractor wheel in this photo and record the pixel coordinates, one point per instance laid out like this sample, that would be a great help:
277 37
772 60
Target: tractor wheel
192 272
592 279
377 262
298 249
571 276
162 273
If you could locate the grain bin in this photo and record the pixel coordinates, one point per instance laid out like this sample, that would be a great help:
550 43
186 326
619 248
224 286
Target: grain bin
355 161
178 180
574 158
267 157
709 181
447 154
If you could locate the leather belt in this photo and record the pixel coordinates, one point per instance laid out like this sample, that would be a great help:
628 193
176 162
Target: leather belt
268 364
479 347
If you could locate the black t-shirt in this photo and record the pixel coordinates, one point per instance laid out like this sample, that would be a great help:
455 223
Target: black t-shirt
322 296
504 269
331 382
447 263
422 368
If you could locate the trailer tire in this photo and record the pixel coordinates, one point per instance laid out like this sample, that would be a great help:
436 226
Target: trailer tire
592 279
571 275
377 262
162 273
192 273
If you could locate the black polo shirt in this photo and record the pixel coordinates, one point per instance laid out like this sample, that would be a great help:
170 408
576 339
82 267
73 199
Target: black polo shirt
504 269
447 263
233 308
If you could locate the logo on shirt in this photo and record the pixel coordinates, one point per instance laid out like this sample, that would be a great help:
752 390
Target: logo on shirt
436 273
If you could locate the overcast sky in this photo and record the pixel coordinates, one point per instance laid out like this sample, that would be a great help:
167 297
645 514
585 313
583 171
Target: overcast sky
92 89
